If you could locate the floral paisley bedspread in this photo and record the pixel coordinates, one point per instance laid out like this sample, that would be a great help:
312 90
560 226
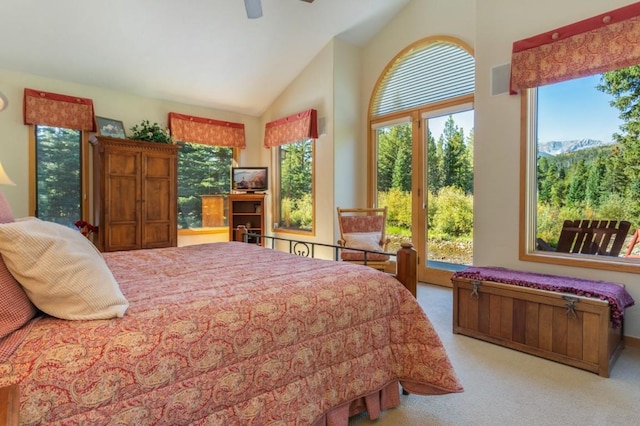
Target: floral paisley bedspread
229 334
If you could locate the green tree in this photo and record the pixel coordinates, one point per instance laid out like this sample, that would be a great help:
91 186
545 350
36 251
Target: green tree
546 173
434 165
597 171
58 180
455 169
577 191
202 170
296 184
624 86
394 157
468 165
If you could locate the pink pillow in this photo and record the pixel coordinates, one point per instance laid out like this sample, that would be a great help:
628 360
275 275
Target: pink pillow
15 307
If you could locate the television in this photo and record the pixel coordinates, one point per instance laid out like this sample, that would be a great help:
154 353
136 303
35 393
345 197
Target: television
249 179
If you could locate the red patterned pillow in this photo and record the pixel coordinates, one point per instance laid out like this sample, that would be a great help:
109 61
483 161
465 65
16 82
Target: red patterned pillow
15 307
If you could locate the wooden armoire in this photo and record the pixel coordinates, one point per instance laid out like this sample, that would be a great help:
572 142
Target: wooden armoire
135 194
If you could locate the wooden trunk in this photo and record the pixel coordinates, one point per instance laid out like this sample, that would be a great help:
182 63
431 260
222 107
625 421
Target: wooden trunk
565 328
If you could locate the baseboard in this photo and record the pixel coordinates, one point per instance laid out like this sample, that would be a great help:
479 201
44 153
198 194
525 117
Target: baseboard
632 342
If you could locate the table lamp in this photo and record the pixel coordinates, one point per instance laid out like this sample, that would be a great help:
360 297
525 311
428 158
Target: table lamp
5 210
4 179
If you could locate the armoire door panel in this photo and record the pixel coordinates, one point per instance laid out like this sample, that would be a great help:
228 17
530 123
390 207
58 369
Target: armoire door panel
156 206
122 163
124 205
157 166
157 234
123 236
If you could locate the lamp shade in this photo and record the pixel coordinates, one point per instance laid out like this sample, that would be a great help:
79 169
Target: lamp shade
3 101
4 179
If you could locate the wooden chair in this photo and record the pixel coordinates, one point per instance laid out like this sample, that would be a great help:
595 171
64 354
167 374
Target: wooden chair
598 237
364 229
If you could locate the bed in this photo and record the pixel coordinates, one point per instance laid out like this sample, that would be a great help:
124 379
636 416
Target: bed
229 334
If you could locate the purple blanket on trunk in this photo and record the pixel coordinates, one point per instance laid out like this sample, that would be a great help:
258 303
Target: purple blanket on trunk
615 294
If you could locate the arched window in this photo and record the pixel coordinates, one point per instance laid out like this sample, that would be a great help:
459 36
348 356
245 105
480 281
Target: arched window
421 152
425 74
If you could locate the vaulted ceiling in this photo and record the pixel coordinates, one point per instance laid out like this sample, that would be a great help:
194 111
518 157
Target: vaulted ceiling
200 52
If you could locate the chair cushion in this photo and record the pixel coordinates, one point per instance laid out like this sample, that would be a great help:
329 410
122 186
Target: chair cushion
362 223
369 241
363 240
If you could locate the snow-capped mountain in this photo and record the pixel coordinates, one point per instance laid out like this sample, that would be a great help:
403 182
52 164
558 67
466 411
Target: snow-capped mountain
552 148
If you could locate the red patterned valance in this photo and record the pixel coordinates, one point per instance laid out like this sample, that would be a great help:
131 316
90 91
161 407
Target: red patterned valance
206 131
294 128
603 43
53 109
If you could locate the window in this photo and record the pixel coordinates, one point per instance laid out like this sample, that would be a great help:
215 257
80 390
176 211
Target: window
421 162
599 181
295 209
203 182
59 175
581 161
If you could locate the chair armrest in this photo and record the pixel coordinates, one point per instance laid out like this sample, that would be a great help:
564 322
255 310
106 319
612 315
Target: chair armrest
543 245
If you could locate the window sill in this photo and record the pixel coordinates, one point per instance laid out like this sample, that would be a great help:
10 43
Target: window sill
617 264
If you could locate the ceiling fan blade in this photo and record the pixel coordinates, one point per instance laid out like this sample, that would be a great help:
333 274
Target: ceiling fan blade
308 1
254 8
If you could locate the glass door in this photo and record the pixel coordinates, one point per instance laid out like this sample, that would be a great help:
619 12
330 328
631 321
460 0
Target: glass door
424 176
449 195
393 179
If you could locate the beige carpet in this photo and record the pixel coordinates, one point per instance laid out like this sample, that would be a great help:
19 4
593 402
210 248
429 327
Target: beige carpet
507 387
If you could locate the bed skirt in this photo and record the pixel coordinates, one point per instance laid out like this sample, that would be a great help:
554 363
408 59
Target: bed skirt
374 403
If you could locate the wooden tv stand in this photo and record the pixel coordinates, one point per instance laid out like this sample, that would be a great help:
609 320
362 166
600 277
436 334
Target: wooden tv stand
246 210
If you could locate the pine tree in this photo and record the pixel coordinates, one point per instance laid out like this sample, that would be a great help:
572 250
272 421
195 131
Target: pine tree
202 170
624 86
58 175
455 155
434 165
577 185
394 157
595 178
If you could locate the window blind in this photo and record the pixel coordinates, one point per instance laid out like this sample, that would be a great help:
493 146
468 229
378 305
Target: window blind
425 75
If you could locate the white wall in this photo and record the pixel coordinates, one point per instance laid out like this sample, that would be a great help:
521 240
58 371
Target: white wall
349 159
313 88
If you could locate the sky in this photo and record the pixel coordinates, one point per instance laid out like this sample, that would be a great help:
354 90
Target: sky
571 110
575 109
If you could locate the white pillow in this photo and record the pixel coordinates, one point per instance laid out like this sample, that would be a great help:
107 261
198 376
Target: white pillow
61 271
363 240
